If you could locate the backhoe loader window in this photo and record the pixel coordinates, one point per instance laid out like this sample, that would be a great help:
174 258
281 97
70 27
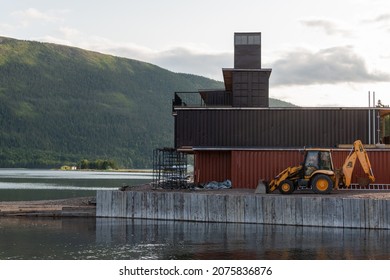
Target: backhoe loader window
311 163
325 162
317 160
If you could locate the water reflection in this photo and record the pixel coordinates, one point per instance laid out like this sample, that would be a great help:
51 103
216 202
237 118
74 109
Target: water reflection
37 238
32 184
185 240
44 238
60 174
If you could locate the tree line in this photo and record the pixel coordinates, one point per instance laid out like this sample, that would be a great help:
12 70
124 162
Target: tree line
99 164
60 104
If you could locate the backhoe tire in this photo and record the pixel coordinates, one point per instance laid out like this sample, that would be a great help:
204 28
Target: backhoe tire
322 184
286 187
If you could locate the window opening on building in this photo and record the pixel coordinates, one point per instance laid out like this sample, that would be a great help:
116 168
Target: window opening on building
247 39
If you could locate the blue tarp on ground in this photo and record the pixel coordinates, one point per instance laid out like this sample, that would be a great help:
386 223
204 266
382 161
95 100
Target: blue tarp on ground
214 185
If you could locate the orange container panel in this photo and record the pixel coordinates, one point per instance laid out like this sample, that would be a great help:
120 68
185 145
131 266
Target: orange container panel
245 167
380 163
250 166
212 166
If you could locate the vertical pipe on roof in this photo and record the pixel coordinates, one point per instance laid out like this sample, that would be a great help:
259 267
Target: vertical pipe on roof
369 118
373 117
378 130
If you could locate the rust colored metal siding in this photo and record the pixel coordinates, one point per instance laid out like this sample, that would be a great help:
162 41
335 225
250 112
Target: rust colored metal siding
380 162
271 128
250 166
212 166
245 167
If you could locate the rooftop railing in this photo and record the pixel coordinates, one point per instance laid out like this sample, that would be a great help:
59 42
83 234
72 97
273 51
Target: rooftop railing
188 98
210 98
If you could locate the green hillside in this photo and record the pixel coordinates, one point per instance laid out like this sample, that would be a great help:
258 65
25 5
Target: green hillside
59 105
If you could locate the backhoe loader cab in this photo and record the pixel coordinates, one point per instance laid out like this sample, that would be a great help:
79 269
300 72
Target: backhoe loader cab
318 173
316 160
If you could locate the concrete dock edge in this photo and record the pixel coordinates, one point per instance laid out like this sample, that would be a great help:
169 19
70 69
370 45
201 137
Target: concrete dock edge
320 211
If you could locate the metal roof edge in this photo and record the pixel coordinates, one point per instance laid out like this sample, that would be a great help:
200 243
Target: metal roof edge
278 108
249 69
199 148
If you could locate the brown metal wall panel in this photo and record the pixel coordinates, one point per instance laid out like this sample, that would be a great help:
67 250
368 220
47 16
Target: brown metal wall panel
245 167
250 88
380 162
250 166
212 166
247 57
292 128
217 98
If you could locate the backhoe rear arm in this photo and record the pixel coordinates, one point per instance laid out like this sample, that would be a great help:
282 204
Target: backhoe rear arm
349 164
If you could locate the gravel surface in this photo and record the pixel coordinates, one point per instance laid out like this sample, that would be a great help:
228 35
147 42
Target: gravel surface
77 201
373 194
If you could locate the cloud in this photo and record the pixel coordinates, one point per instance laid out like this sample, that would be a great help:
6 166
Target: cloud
383 18
329 27
382 21
193 61
32 15
327 66
176 59
298 67
68 32
4 27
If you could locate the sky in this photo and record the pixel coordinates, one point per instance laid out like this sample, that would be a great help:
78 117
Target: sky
326 53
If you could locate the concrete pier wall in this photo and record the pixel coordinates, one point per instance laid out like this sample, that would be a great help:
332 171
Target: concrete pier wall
314 210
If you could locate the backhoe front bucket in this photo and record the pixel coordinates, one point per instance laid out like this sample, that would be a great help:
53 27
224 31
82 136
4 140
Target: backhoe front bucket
262 187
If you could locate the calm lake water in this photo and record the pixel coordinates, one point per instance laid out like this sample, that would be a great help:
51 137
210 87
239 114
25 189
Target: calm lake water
31 184
120 239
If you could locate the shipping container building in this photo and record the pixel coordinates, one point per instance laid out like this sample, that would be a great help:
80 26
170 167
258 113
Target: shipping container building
235 135
275 127
245 167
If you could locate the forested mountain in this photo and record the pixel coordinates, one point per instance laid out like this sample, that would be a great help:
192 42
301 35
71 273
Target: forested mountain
59 105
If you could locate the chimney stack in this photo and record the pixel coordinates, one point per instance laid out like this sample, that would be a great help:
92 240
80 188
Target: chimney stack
247 50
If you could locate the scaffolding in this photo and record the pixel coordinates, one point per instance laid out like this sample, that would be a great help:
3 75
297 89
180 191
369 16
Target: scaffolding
169 169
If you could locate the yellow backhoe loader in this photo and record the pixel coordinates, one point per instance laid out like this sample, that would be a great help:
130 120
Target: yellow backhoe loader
317 172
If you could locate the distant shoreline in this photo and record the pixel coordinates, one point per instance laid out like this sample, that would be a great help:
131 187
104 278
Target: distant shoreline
113 170
67 207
